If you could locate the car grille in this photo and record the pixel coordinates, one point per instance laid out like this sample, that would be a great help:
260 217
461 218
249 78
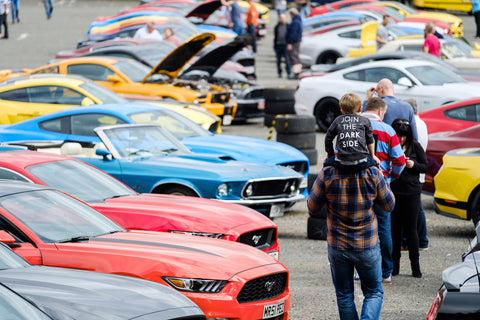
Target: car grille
221 97
299 166
255 94
271 188
261 239
263 288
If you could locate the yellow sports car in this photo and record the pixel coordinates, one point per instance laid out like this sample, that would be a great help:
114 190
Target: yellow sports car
457 185
455 22
26 97
132 77
456 5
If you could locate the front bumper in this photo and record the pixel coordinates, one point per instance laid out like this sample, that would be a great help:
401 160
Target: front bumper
269 207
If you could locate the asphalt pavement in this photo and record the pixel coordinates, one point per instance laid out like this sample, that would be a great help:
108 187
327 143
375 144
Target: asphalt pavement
35 40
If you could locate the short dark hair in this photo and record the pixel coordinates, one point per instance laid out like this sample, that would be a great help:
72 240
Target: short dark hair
403 128
375 104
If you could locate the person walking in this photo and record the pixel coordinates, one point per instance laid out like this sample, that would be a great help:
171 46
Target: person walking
476 15
382 32
280 45
396 108
352 235
281 6
252 23
407 189
148 31
48 4
4 8
294 38
392 163
15 8
431 44
237 24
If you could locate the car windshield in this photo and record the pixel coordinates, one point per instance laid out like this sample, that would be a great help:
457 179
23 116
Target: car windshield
430 75
135 71
178 125
134 141
457 49
79 180
102 93
56 217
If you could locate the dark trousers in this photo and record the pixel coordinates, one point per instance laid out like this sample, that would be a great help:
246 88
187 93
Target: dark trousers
477 22
3 22
251 30
281 51
405 215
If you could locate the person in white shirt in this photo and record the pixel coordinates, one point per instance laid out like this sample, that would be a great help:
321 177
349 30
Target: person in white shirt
4 9
148 32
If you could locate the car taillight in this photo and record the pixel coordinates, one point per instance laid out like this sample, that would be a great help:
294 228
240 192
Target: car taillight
437 302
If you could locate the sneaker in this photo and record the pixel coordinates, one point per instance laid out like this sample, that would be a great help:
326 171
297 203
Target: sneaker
387 280
356 278
423 249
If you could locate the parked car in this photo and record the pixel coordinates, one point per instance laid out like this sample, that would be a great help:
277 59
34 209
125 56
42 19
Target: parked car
48 227
128 76
427 83
149 159
452 117
454 5
37 293
31 96
440 143
73 124
457 185
133 211
336 5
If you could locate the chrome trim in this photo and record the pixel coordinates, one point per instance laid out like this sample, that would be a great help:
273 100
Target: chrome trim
247 202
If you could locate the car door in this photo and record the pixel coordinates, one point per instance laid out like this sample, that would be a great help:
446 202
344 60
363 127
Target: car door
99 73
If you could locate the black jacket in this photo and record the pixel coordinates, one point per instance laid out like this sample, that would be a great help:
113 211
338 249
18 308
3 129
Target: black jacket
409 182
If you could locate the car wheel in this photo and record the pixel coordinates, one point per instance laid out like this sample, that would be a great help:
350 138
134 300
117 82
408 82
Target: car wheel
289 124
475 208
179 191
329 57
326 110
298 140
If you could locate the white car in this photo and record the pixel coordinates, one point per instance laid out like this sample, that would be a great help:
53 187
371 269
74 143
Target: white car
426 82
454 51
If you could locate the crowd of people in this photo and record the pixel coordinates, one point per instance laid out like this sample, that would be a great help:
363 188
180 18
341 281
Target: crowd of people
371 183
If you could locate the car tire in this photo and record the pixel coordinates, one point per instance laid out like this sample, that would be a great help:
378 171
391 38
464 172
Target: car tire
326 110
279 94
475 208
329 57
299 141
179 191
279 106
290 124
317 228
312 155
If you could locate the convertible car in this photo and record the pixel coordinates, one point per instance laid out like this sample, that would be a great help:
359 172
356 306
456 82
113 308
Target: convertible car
132 77
76 123
133 211
31 96
151 160
38 293
225 279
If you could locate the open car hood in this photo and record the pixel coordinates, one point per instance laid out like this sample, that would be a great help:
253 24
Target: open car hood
214 59
173 63
204 9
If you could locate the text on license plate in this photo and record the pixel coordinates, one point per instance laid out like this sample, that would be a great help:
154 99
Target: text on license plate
273 310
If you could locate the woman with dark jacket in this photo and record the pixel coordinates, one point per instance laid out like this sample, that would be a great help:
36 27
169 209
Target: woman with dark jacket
407 190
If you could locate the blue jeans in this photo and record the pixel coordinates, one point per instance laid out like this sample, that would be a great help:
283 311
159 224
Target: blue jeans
385 236
48 4
251 30
281 51
368 265
15 8
238 28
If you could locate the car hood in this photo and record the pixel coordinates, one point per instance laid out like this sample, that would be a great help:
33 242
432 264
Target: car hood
74 294
174 62
245 149
154 212
204 9
454 277
214 59
144 252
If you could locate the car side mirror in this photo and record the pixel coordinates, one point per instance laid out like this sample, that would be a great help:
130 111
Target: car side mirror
7 238
87 101
103 153
404 81
114 78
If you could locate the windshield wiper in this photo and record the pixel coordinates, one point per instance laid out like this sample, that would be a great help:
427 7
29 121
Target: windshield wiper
75 239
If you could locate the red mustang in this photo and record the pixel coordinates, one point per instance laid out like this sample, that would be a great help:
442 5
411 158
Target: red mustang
452 117
227 280
337 5
153 212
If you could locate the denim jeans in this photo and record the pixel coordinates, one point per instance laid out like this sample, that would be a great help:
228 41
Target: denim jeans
15 7
48 4
281 51
385 236
368 265
251 30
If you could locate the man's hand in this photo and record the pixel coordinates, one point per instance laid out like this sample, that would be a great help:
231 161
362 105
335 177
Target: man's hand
370 92
289 47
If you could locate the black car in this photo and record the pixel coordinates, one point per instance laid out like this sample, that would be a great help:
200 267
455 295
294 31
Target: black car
38 293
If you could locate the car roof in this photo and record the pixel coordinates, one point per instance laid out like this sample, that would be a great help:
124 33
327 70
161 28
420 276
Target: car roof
45 78
9 187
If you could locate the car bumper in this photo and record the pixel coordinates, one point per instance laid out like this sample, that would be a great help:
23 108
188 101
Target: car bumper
453 209
249 108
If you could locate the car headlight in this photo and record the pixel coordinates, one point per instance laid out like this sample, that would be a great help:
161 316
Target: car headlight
249 190
222 190
199 234
196 285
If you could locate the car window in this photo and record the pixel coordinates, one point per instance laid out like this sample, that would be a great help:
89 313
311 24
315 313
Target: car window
355 34
7 174
41 94
61 125
15 95
64 95
91 71
434 75
83 124
48 69
467 113
375 74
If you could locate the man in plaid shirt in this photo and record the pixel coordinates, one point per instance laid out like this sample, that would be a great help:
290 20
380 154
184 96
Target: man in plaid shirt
352 234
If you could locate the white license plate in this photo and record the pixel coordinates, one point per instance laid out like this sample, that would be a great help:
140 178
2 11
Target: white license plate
273 310
227 120
304 183
261 105
277 210
275 254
